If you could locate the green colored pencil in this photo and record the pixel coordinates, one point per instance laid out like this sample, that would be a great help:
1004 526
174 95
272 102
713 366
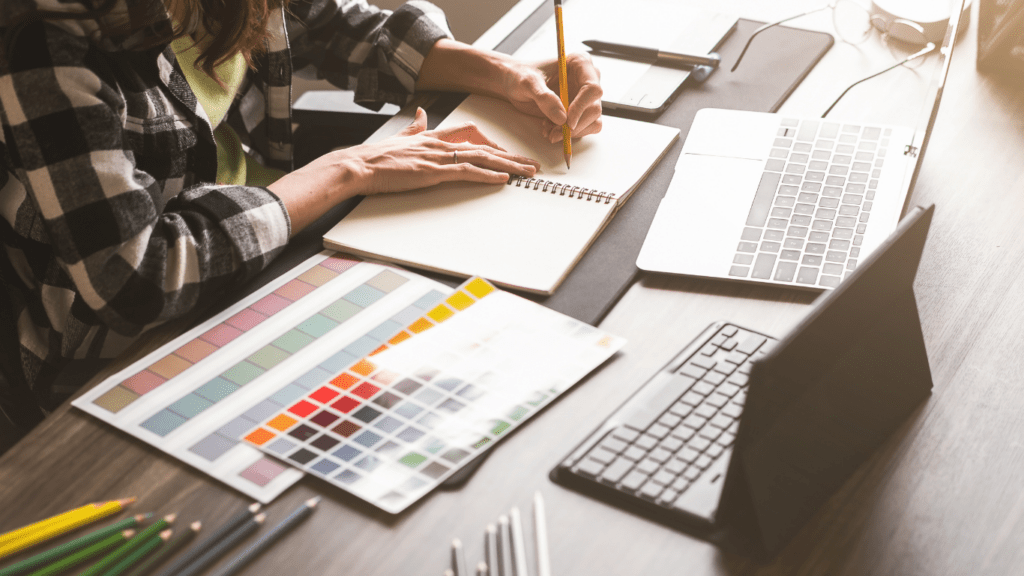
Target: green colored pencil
109 560
57 552
84 554
165 552
136 555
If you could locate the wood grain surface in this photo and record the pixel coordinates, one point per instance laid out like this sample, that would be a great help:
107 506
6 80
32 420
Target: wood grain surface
941 497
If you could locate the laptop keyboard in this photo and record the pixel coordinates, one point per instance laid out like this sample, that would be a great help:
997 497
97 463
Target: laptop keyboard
813 203
664 448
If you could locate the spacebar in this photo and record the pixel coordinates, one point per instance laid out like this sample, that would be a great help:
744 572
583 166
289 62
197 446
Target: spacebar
653 403
762 203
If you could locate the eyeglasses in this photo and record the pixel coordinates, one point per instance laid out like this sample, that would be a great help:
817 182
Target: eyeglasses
854 24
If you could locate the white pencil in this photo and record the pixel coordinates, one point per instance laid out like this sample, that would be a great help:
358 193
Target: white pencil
491 548
459 559
518 545
540 533
504 552
481 569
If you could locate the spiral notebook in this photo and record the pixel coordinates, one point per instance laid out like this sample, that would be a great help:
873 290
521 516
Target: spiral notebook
526 234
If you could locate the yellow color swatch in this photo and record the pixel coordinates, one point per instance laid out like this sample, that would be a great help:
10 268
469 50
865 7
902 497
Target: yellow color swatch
282 422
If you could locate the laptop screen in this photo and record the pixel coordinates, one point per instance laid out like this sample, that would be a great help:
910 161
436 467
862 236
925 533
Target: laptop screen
926 120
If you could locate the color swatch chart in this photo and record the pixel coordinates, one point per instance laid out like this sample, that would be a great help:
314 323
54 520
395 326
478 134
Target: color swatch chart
393 425
194 397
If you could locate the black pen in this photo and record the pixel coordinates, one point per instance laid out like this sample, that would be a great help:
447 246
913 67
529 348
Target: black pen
661 57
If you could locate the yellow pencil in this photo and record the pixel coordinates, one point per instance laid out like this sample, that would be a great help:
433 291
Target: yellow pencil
33 534
563 84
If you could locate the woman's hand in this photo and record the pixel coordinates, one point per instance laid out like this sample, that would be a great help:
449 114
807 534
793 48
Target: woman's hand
533 88
414 158
530 87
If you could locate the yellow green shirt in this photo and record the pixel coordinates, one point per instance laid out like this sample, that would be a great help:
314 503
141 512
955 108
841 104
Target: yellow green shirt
234 166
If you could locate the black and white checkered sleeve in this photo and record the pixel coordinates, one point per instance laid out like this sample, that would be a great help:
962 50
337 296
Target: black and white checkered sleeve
355 46
137 254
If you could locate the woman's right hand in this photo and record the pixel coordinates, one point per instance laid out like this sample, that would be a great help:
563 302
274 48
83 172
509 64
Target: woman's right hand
414 158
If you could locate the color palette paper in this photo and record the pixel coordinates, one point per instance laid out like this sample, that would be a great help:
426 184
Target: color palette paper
194 397
393 425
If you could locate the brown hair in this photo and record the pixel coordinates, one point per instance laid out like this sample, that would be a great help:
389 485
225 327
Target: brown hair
234 26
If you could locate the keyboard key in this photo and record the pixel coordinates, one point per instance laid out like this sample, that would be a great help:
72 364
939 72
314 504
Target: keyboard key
750 344
843 233
775 165
601 455
694 421
728 389
704 388
647 467
807 275
726 439
746 247
675 466
829 202
715 450
745 259
692 398
807 209
717 400
829 281
614 473
814 176
800 220
783 142
763 266
625 434
683 432
793 243
633 453
703 362
589 467
703 461
786 271
807 131
824 144
660 455
680 409
645 442
732 410
807 198
833 269
663 477
829 130
797 231
670 420
667 497
778 223
680 484
722 420
848 210
687 455
715 378
835 256
634 480
822 225
834 191
851 264
613 444
769 247
739 379
691 370
825 214
706 410
710 432
815 248
692 472
658 431
778 153
774 235
729 344
650 491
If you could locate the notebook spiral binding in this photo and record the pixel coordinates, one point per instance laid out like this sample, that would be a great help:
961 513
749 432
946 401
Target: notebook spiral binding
561 189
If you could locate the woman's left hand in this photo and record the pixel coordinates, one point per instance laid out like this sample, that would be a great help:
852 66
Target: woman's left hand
533 88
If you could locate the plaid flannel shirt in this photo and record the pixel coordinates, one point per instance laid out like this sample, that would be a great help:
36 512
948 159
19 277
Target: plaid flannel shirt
109 219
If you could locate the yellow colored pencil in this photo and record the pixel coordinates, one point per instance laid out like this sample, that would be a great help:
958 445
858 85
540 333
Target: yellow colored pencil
563 85
43 530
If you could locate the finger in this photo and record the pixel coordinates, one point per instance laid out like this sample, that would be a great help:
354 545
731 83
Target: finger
549 104
587 117
586 101
593 128
468 132
464 148
467 172
494 162
419 124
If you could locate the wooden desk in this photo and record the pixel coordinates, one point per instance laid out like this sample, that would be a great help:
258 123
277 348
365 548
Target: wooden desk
943 495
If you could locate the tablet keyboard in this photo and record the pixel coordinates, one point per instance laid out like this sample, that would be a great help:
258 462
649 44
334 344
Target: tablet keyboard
669 444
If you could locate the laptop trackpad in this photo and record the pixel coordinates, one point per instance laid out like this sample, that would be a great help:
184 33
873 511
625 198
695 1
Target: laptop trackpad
699 222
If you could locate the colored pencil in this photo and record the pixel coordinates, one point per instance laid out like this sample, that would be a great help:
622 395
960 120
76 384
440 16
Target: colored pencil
215 552
458 559
199 549
540 534
268 539
57 552
504 552
563 86
139 553
84 554
165 552
125 549
43 530
481 569
518 545
491 548
448 572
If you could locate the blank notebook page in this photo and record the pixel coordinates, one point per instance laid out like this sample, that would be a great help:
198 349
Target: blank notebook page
512 235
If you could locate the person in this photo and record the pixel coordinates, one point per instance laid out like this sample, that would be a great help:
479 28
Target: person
147 158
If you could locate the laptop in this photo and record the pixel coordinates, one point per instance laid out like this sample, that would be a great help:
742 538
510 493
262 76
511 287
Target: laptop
775 199
740 438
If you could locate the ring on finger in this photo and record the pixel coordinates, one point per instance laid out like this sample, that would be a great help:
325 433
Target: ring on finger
456 154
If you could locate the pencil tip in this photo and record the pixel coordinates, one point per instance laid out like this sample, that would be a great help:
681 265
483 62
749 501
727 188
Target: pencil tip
197 525
170 518
259 518
126 501
166 534
255 507
456 543
128 533
312 502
